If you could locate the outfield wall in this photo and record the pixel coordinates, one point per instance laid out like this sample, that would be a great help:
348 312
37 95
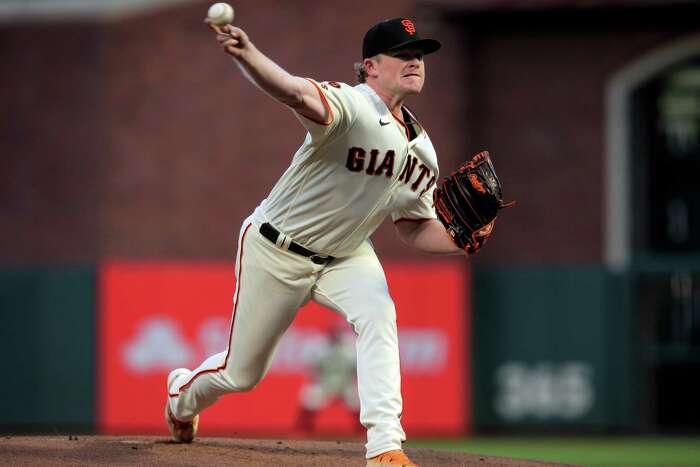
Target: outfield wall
48 344
551 348
89 349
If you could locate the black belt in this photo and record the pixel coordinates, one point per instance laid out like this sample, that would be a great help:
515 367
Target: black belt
273 234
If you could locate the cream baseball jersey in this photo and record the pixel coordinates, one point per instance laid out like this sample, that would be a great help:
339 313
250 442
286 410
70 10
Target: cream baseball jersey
352 171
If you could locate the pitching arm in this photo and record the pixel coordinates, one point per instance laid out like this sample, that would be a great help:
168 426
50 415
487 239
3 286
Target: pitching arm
295 92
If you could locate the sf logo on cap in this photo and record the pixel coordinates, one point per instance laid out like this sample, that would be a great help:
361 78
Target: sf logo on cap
408 26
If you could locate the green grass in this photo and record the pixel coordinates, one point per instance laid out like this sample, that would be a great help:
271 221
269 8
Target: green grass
593 451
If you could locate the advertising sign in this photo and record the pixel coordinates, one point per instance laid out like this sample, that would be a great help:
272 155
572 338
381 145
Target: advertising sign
154 317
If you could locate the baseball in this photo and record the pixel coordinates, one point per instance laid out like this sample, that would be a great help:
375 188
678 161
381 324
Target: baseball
220 14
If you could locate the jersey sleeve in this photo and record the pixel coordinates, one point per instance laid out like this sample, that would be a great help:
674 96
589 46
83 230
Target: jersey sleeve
419 211
341 105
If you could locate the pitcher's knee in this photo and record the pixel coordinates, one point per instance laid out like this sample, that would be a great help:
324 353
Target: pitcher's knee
247 384
241 381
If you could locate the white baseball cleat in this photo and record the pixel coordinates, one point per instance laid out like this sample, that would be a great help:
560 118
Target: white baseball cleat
181 432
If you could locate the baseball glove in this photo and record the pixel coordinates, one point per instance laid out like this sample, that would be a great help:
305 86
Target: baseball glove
467 201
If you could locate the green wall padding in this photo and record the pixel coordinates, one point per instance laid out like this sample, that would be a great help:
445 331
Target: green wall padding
552 349
48 348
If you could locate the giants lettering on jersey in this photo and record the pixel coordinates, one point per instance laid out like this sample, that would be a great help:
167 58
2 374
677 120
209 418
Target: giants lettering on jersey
357 157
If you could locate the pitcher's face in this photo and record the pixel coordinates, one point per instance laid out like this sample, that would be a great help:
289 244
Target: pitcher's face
401 72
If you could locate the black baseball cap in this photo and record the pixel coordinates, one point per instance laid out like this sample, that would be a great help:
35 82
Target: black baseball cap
393 34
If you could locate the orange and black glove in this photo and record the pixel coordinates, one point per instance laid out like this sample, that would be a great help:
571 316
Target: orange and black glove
467 201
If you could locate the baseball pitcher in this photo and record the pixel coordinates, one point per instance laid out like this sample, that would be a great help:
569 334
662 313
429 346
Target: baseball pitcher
365 157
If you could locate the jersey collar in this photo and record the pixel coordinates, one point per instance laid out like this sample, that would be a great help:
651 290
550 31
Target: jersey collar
379 104
382 110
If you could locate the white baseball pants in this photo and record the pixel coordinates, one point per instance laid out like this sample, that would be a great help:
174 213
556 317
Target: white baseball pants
272 284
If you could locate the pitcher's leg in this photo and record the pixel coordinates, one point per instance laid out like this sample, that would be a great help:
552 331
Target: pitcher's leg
271 287
356 287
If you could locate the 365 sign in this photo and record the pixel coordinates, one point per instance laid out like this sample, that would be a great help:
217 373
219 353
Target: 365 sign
544 390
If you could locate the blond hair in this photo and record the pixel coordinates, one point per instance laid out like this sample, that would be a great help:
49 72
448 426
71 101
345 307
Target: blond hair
360 72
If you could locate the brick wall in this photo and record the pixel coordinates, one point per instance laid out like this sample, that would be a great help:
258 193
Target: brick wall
139 138
537 100
51 142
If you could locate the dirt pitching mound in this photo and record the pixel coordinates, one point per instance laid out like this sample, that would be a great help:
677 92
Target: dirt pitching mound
143 450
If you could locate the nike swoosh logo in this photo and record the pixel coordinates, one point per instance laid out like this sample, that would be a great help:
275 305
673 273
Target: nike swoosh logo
383 123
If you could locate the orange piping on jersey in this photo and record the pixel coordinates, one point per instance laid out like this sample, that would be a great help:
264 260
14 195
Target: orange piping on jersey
408 133
329 120
406 219
233 317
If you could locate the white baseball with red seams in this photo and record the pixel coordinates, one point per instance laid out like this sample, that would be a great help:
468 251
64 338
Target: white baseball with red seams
220 14
352 171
